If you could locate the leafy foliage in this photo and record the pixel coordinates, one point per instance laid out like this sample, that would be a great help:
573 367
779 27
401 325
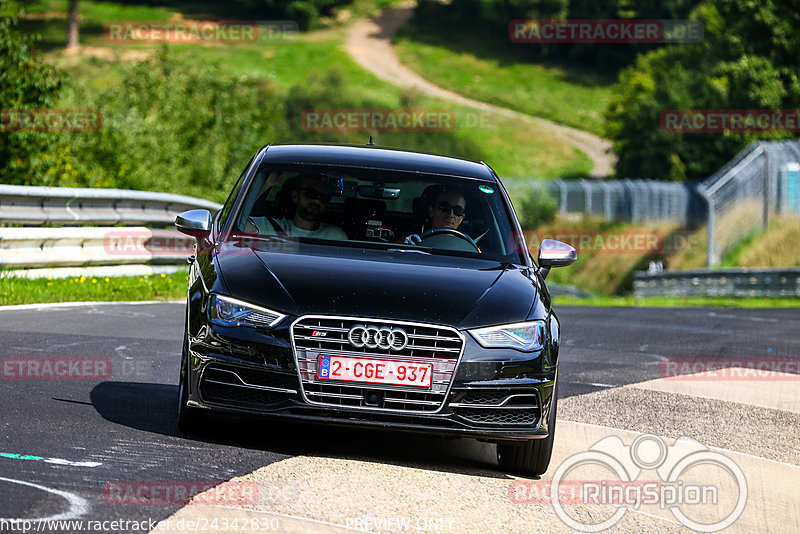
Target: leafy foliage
748 60
182 127
305 12
25 83
167 125
537 209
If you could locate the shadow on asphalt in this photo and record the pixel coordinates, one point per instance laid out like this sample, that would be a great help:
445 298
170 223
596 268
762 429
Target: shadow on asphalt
152 408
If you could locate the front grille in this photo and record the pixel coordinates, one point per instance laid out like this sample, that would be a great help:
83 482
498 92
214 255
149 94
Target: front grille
225 384
499 416
438 345
480 397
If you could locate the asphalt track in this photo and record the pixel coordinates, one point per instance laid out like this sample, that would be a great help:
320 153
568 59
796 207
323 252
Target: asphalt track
64 441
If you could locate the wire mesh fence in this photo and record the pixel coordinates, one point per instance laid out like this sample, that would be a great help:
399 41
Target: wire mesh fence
626 200
759 182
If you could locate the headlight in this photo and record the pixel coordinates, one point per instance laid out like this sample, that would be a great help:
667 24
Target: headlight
226 311
521 336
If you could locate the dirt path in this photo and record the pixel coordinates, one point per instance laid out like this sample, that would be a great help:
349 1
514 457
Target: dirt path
369 42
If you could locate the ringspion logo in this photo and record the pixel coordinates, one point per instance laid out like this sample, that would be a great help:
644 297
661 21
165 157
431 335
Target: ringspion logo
704 490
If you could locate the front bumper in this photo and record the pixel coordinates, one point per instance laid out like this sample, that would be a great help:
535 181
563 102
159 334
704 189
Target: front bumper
493 395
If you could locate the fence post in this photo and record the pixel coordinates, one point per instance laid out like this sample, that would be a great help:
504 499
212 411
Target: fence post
710 256
563 193
587 195
768 173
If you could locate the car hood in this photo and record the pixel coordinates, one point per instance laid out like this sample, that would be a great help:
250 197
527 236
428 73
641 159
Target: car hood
366 284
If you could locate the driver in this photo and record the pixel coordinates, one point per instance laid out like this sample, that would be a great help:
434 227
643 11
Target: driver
446 210
310 203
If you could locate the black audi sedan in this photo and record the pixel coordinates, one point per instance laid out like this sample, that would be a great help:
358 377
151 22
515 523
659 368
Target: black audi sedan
358 285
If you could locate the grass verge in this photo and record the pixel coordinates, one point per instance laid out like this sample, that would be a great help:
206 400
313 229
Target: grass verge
490 69
83 289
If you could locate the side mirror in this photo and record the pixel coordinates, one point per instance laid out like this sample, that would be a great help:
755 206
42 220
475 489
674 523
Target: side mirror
554 253
196 223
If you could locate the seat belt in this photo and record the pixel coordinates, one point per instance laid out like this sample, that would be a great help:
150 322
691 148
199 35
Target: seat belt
277 227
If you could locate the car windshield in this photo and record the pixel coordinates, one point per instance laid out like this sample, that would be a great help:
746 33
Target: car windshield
381 209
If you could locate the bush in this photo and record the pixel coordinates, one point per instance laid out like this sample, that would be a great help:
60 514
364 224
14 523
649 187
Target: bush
170 126
747 60
536 209
181 127
25 83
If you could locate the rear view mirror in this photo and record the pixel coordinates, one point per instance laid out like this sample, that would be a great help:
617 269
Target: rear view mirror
378 191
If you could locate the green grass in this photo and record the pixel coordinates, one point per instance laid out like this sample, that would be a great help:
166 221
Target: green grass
82 289
680 302
491 69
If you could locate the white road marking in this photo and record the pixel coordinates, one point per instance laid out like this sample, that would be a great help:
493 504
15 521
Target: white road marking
78 506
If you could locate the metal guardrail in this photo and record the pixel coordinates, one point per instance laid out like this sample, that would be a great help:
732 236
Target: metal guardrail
734 282
38 206
73 249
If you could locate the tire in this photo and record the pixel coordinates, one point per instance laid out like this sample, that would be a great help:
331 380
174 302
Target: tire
189 419
532 457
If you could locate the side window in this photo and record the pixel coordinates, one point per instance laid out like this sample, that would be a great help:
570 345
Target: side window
228 206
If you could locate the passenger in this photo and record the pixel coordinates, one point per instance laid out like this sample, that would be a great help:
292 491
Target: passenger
310 204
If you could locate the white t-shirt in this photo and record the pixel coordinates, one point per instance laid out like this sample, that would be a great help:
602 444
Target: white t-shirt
323 231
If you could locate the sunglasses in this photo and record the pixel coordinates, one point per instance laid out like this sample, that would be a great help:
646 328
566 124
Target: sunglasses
457 210
315 194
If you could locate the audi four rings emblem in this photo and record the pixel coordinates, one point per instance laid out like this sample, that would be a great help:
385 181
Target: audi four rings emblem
373 337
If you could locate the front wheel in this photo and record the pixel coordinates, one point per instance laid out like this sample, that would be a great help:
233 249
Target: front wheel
530 457
189 419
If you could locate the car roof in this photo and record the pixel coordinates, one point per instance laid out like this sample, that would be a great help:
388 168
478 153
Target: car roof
372 157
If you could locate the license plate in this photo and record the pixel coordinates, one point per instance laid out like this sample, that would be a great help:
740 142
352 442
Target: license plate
371 371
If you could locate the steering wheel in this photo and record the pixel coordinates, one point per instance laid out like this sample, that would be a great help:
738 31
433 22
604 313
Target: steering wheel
450 231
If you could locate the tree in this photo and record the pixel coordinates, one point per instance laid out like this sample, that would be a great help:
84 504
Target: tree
747 60
25 82
72 25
